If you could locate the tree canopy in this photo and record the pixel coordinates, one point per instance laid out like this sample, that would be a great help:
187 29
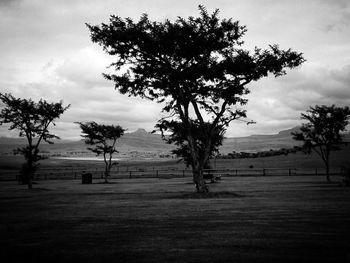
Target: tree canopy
322 132
196 67
32 119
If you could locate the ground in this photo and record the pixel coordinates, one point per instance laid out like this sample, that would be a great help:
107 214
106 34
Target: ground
244 219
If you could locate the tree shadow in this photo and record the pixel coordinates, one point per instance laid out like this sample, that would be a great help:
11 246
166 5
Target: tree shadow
223 194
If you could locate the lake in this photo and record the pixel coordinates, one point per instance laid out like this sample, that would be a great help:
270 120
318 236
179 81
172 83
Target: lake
83 158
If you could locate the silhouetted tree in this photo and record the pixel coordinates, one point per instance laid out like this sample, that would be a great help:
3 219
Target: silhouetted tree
103 139
195 66
322 131
199 131
32 119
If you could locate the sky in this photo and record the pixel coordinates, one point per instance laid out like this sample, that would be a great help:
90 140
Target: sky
46 52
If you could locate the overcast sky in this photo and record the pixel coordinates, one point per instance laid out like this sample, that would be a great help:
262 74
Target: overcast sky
46 52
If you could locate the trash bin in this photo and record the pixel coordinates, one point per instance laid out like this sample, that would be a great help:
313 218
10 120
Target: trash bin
86 178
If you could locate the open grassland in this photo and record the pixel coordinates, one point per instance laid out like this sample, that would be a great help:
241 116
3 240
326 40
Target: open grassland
244 219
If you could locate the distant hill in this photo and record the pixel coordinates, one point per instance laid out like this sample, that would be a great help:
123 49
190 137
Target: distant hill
256 143
134 143
144 144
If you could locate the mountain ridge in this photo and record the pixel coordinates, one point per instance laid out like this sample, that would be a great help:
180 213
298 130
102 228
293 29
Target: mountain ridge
141 142
139 131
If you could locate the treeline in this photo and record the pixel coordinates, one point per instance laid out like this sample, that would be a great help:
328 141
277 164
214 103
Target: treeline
269 153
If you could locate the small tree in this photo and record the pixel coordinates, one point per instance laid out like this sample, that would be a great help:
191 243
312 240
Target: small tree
32 119
321 133
196 66
103 139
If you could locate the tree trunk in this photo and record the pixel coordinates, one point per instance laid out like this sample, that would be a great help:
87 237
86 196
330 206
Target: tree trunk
198 163
30 181
30 154
327 173
198 179
29 173
197 170
106 175
327 167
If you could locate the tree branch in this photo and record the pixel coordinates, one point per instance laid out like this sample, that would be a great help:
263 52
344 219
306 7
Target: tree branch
197 111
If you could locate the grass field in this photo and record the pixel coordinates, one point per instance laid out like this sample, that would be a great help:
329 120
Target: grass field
244 219
10 165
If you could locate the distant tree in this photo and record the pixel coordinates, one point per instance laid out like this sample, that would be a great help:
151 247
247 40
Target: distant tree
196 67
103 139
322 132
32 119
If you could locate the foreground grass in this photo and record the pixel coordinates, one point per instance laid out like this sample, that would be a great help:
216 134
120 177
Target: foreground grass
245 219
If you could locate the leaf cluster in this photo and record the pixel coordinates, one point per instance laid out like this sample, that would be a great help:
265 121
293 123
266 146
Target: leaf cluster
324 127
32 119
201 136
195 59
102 137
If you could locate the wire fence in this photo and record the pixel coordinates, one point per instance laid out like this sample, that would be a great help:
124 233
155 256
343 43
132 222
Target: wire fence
71 174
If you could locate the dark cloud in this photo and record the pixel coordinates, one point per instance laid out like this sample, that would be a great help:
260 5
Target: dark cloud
9 3
337 4
276 104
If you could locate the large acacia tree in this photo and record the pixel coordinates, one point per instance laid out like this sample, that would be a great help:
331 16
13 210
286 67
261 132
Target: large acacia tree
195 66
322 131
32 119
102 139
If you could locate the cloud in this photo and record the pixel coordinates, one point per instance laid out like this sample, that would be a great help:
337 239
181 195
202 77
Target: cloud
77 80
338 15
46 52
85 67
325 86
276 103
9 3
94 98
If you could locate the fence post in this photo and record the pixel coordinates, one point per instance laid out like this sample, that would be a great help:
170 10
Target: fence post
130 174
236 172
289 172
157 174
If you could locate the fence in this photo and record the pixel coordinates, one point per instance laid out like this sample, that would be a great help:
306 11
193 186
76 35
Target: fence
69 174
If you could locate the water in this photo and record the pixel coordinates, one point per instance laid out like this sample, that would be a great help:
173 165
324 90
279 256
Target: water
83 158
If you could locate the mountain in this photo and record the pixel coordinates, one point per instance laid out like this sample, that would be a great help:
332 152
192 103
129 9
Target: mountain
138 143
144 144
141 139
255 143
